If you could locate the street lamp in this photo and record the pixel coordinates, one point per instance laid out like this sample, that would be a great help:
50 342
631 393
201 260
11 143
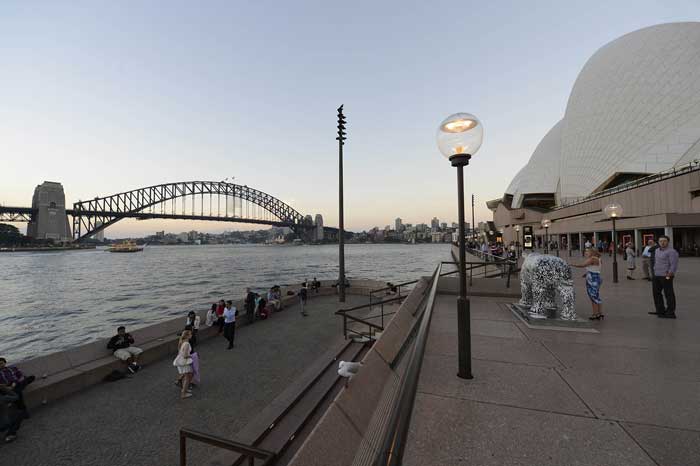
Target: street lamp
545 224
614 211
517 239
459 137
341 227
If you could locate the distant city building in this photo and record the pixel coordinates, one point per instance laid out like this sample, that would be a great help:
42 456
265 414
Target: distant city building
160 234
319 227
456 225
435 224
443 225
398 225
183 237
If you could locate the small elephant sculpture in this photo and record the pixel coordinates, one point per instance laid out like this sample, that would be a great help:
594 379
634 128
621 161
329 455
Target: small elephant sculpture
541 278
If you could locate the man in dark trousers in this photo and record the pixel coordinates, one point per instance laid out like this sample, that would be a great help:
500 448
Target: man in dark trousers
303 296
11 378
250 305
10 415
665 265
230 323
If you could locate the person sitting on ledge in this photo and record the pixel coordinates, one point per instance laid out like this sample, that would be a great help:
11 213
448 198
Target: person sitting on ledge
10 414
12 378
315 285
121 345
274 298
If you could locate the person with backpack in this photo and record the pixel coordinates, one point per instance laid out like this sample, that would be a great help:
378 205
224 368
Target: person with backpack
303 295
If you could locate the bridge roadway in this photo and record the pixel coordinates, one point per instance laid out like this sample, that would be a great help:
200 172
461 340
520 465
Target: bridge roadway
135 422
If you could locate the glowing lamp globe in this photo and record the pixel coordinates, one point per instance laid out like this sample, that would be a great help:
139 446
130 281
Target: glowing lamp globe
460 134
546 223
517 228
613 210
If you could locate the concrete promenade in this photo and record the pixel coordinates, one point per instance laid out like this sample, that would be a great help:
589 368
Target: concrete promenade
628 395
135 422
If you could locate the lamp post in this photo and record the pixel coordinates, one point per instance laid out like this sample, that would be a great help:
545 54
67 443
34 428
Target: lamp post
517 239
341 230
546 223
459 136
614 211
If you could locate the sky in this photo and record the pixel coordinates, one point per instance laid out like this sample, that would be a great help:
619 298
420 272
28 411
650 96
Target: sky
106 97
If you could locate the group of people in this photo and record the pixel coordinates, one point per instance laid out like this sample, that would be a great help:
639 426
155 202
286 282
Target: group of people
659 265
12 408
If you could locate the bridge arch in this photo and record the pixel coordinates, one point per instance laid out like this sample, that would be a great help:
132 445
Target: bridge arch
92 216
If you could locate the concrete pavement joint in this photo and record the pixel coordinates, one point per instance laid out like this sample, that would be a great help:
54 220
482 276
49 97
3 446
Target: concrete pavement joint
629 434
576 393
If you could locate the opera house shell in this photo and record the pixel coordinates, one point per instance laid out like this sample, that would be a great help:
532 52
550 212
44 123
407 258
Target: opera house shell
634 110
633 113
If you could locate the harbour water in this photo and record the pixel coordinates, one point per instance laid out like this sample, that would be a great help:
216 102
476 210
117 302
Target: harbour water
53 301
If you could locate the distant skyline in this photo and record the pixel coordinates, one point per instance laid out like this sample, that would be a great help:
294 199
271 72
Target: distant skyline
105 97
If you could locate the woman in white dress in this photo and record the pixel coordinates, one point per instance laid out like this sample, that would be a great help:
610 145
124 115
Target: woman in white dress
183 362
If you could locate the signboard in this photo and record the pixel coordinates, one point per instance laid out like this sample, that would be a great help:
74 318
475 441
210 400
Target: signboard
647 238
527 237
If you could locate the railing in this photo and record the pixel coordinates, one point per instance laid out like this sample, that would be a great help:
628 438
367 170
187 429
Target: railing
507 266
671 173
248 452
394 289
372 327
394 440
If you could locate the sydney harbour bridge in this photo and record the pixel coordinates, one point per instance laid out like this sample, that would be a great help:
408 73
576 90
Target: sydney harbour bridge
219 201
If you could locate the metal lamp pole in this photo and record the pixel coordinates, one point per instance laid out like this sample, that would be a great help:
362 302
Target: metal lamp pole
341 230
546 240
463 306
614 238
473 224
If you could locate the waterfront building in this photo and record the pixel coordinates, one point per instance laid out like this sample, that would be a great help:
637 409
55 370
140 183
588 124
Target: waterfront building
630 134
435 224
398 225
49 221
443 226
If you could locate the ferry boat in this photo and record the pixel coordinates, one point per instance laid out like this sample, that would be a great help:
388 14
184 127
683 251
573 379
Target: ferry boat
126 246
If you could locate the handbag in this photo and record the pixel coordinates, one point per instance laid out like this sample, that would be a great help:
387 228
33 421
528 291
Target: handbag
180 361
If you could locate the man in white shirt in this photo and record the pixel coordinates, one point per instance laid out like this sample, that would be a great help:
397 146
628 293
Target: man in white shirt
230 312
647 266
588 244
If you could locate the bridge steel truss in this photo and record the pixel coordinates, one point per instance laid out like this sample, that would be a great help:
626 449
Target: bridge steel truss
89 217
15 214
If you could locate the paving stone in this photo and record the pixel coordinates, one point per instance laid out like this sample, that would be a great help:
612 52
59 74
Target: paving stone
449 431
668 447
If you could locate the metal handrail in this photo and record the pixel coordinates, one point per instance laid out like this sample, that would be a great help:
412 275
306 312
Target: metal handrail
394 440
252 453
370 325
664 175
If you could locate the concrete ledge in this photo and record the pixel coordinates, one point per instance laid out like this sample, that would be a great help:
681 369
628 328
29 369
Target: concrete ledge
355 420
66 372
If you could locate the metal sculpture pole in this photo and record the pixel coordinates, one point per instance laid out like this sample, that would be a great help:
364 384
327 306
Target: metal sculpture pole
341 229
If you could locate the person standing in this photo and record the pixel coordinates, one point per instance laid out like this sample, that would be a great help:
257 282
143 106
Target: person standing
183 362
647 259
631 261
250 305
593 281
220 315
230 323
193 321
303 295
665 265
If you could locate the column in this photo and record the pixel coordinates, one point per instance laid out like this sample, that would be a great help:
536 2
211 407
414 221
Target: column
668 231
638 241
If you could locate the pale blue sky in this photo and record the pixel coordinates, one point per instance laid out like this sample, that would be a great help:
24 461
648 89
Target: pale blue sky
110 96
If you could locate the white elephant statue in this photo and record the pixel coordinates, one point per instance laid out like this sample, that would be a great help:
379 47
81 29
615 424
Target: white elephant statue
541 278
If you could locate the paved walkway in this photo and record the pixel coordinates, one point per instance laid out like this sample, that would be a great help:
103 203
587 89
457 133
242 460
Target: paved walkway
629 395
135 422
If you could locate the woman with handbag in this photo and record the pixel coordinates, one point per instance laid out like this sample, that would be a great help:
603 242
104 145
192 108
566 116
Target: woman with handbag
183 362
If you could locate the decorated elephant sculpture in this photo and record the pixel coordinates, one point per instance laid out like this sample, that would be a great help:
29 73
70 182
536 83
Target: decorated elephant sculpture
542 277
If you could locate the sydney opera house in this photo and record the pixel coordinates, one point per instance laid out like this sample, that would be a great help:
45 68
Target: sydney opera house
630 135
